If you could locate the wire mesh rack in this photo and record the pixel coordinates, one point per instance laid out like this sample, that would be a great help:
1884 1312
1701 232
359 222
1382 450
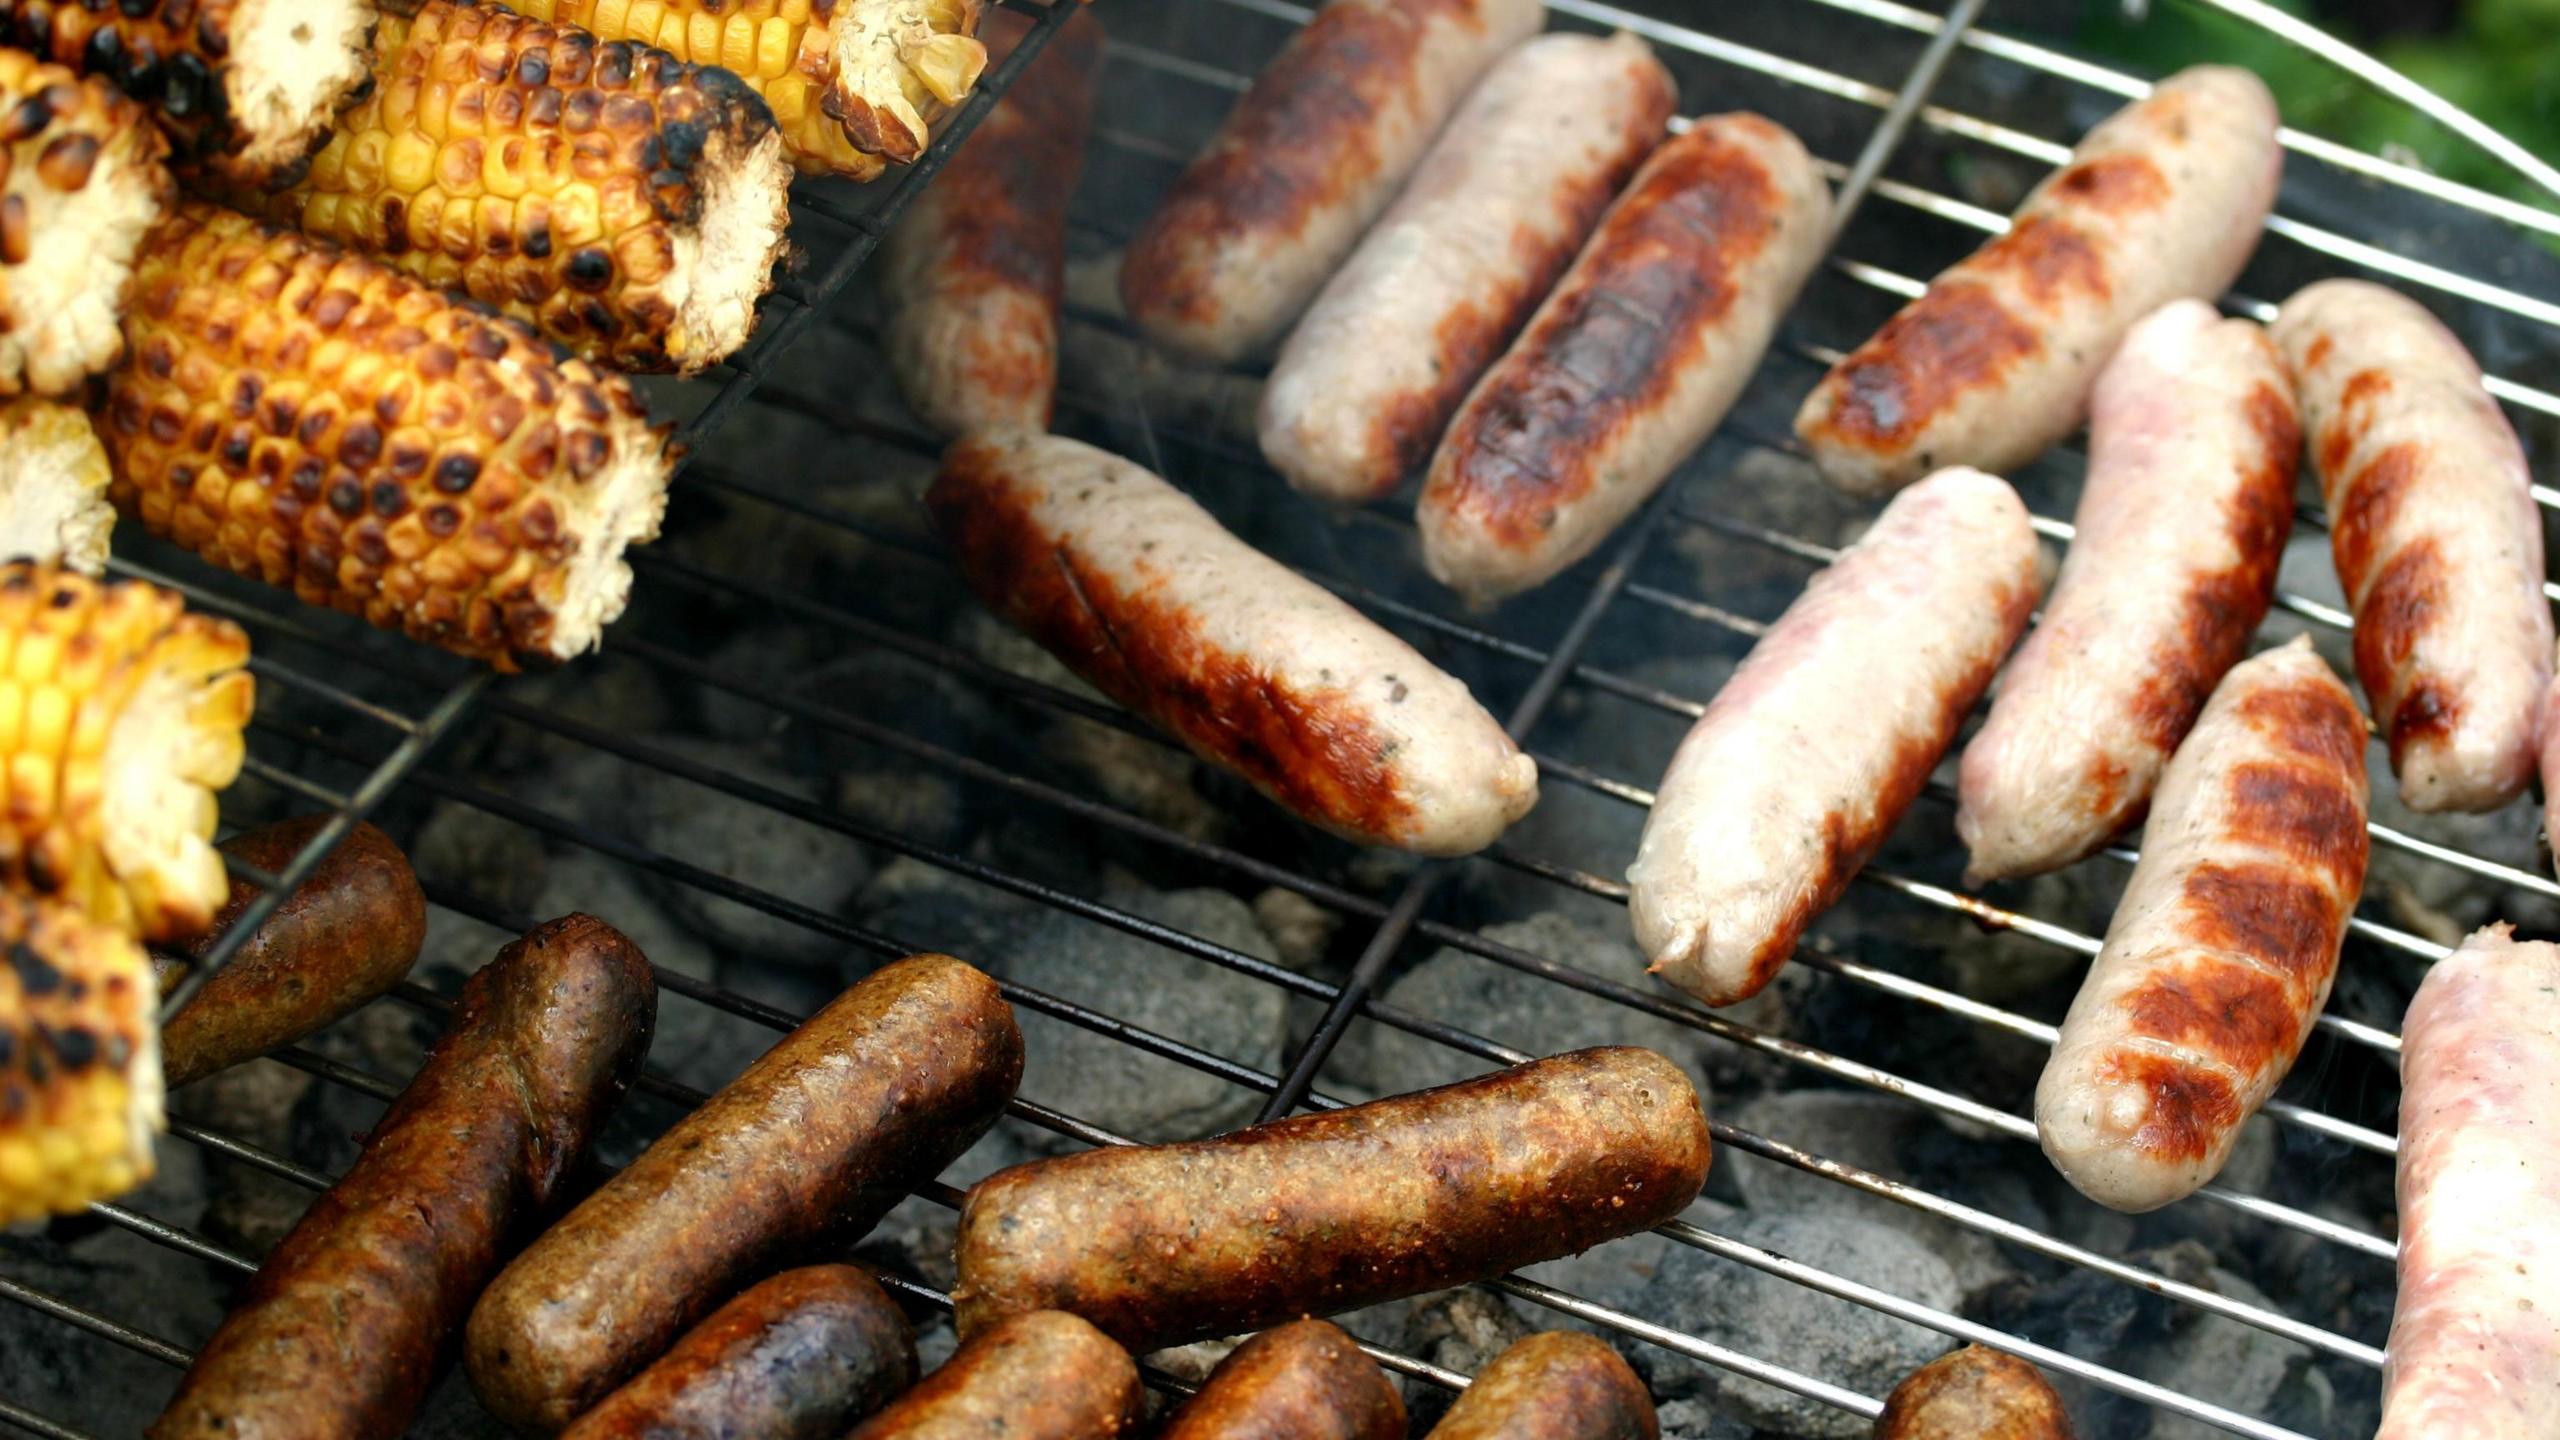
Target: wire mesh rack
1895 100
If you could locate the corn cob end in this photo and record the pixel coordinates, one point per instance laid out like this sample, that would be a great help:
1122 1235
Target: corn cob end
80 1083
81 180
900 66
53 486
293 65
726 256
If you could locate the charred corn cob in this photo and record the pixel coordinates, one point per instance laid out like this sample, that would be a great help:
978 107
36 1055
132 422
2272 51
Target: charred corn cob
80 181
80 1083
53 486
120 715
624 203
855 84
330 425
249 83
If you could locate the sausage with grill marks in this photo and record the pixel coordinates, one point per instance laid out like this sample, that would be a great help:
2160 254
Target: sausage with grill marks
1811 752
2181 525
1044 1375
2224 946
1560 1385
1368 380
2164 199
1304 1381
1976 1393
1631 362
340 1333
1310 155
2436 536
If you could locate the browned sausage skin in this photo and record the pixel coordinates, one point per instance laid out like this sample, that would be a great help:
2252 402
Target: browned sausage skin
1557 1386
348 934
1164 1244
1042 1376
384 1265
1975 1393
1306 1381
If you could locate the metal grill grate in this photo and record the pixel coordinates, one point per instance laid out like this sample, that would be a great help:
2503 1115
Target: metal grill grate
355 722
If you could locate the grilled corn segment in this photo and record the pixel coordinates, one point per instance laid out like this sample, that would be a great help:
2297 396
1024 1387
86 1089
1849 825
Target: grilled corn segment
53 486
624 203
80 1083
855 84
332 426
251 84
80 181
120 715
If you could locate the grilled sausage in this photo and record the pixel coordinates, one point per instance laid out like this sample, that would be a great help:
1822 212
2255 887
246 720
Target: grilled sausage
1632 361
1303 1381
1812 751
1165 1244
1975 1393
2181 525
2475 1340
1993 364
2225 943
1560 1385
1366 382
1307 159
2436 537
341 1331
1143 593
1042 1376
349 933
800 1357
814 1142
974 273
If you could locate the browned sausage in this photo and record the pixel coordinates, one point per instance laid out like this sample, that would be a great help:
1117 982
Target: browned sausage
1975 1393
1306 1381
339 1334
814 1142
799 1357
1557 1386
1164 1244
1042 1376
347 935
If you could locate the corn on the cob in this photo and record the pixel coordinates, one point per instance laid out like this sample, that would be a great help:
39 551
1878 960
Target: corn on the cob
251 84
332 426
53 486
120 715
80 1087
80 181
855 84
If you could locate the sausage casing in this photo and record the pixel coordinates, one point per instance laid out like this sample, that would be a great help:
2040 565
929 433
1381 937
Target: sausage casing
1309 156
2224 946
1439 285
801 1356
349 933
339 1334
1631 361
1815 747
1975 1393
2436 536
1142 592
814 1141
2164 199
1164 1244
2181 525
1302 1381
2475 1340
1560 1385
1045 1375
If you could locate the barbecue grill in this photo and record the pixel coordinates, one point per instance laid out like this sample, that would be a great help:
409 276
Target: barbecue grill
762 535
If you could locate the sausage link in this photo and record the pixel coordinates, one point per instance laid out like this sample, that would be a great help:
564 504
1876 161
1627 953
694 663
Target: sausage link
1975 1393
1042 1376
974 273
1310 155
1303 1381
2164 199
2475 1338
1560 1385
1164 1244
2436 537
349 933
340 1332
1631 362
1141 592
2181 525
814 1142
801 1356
1366 383
1811 752
2225 943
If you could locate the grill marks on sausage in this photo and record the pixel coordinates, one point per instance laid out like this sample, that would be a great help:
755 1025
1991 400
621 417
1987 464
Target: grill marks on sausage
1955 338
1006 196
2316 724
2191 1108
2400 607
2117 185
2053 260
